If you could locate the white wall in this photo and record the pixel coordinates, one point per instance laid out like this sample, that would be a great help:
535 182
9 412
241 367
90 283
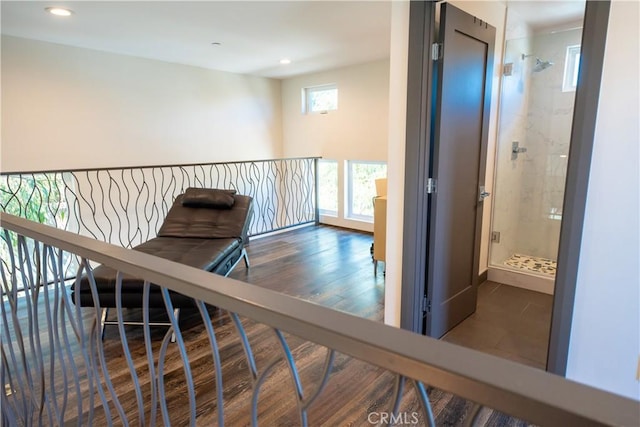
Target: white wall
399 58
605 333
68 107
357 130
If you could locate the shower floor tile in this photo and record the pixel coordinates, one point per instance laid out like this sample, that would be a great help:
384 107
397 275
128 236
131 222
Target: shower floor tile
532 263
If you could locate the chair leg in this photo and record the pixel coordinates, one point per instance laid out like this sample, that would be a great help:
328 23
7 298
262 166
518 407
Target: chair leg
103 319
176 313
246 258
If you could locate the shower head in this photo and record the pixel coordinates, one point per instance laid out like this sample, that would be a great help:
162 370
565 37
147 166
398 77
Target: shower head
541 65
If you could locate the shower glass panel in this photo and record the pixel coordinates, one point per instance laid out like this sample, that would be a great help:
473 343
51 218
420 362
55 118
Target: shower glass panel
536 111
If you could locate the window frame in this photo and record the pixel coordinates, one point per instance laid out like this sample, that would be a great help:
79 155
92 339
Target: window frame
327 212
306 98
571 68
349 190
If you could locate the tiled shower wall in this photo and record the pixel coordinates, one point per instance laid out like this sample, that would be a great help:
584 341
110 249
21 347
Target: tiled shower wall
535 112
548 133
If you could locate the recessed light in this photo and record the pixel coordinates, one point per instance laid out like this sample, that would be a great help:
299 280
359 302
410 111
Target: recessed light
285 61
59 11
216 44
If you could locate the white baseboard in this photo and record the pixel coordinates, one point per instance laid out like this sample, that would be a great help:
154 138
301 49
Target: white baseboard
523 280
347 223
284 230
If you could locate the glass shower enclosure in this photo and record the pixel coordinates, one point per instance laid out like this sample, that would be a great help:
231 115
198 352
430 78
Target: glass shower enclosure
536 110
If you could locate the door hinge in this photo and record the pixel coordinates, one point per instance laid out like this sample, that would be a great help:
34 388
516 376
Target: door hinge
431 186
426 305
436 50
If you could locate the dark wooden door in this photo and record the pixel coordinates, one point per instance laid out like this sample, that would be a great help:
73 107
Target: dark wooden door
459 152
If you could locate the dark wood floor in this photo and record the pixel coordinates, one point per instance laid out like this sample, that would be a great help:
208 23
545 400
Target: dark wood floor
327 265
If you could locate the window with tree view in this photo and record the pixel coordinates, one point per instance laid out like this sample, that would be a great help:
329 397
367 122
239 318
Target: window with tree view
328 187
361 189
320 99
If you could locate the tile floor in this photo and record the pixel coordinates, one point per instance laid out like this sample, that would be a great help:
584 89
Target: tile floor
509 322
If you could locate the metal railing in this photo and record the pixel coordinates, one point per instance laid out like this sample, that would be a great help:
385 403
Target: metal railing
54 367
126 206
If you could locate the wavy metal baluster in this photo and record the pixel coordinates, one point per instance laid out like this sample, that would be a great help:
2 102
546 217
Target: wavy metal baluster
10 292
326 372
295 378
58 327
7 405
174 329
246 346
162 396
103 363
398 390
85 341
149 351
424 401
90 202
256 390
123 205
54 338
216 359
125 349
157 191
26 284
67 321
271 210
9 414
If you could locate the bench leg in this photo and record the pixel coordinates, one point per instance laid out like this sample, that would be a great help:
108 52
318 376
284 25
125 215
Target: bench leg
246 257
176 313
243 255
103 319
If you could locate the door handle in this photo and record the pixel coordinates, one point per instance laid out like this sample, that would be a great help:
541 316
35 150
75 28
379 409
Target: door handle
483 194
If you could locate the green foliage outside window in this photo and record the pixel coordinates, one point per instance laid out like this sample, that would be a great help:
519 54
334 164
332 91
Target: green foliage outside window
39 198
363 189
328 186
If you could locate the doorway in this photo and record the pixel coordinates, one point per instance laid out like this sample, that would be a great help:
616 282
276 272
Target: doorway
416 207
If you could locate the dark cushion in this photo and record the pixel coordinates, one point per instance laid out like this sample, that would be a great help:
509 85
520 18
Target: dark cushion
216 256
205 223
208 198
204 254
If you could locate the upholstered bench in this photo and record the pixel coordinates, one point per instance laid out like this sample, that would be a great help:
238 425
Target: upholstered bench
205 229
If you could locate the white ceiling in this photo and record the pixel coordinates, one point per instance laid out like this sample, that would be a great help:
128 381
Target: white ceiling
549 15
254 36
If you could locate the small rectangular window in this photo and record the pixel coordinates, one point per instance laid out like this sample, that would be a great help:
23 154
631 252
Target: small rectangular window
320 99
571 68
328 187
361 188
